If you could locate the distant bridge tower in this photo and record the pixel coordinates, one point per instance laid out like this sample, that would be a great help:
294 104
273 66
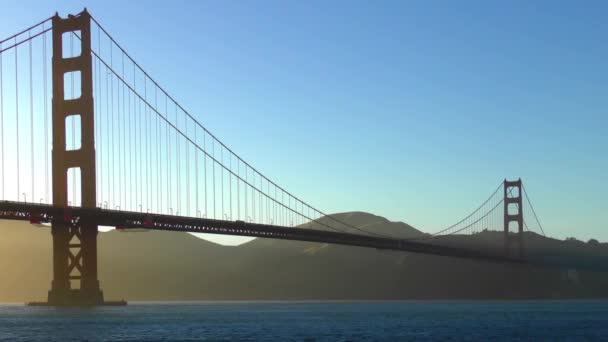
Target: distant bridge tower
513 212
74 241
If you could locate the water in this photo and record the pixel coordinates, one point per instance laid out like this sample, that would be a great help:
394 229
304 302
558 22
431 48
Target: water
312 321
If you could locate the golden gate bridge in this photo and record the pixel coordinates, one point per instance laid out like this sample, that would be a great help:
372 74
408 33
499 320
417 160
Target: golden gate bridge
88 138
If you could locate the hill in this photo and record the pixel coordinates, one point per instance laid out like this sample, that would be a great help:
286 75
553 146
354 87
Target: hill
158 265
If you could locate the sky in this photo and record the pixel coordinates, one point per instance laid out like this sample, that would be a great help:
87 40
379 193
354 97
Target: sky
411 110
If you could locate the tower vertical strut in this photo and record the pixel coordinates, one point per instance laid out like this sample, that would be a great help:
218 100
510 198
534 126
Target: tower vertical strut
513 212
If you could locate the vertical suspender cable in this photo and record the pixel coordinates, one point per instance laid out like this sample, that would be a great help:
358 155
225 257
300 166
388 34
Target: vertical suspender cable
112 128
140 153
124 137
153 169
17 116
238 188
108 129
99 121
143 166
158 155
133 148
213 154
179 183
96 130
137 144
187 145
196 170
245 186
130 134
299 213
147 145
150 153
157 165
120 143
166 159
222 179
230 186
123 121
2 122
164 165
144 154
205 166
159 173
137 108
169 165
98 139
308 208
31 115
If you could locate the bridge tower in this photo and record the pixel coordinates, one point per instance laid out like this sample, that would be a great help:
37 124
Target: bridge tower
74 241
513 212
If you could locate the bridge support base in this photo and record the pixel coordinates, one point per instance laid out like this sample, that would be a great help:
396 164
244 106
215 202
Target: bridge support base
76 298
79 304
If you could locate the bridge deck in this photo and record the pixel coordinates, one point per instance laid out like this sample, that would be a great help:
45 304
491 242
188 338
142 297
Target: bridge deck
43 213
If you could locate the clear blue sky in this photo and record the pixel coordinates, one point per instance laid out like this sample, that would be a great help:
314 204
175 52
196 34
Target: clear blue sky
410 110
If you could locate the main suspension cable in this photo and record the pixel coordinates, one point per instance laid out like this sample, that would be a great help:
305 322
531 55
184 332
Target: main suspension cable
27 29
188 139
330 217
533 211
463 228
471 214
